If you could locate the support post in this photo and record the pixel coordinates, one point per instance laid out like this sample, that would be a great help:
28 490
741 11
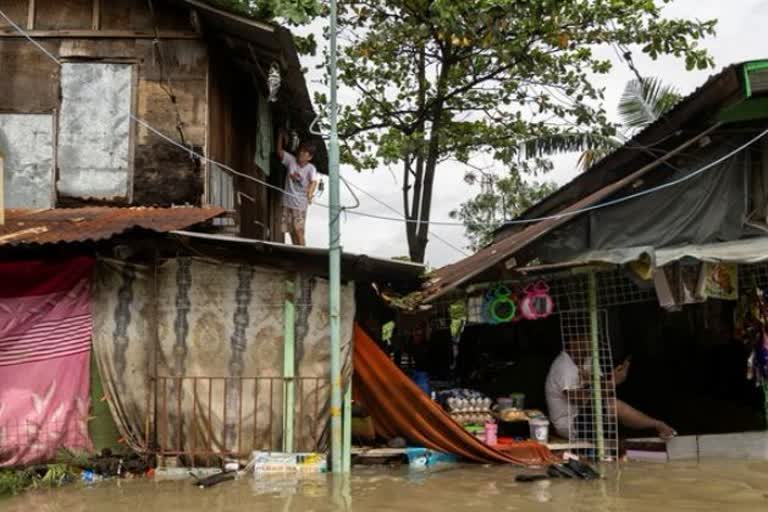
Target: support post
334 264
289 365
2 189
597 377
347 448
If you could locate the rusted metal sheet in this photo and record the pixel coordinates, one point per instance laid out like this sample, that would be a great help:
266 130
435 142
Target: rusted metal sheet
26 140
95 130
23 227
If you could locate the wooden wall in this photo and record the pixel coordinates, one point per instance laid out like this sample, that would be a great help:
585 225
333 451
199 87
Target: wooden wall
170 89
214 111
234 132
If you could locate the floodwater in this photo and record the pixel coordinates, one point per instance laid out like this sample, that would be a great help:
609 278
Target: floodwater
710 485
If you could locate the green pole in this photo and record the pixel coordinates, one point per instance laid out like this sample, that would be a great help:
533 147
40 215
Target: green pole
597 377
347 447
334 270
289 365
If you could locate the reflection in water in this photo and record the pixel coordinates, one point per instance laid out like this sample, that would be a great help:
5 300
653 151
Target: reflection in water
712 485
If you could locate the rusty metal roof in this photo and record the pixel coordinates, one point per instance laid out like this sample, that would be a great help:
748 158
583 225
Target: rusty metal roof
64 225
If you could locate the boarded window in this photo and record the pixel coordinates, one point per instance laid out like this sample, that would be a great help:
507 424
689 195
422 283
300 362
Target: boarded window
95 130
26 142
64 14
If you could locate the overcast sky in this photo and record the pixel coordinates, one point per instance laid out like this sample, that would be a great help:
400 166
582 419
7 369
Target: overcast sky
740 36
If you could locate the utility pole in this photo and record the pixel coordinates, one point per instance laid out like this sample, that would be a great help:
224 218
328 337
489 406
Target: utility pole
334 271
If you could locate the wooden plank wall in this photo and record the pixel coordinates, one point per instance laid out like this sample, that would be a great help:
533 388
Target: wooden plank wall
163 174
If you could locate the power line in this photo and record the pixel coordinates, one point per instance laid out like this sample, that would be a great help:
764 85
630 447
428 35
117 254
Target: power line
391 208
399 219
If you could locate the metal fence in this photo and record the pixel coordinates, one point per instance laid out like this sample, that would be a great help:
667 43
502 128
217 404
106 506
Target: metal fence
205 417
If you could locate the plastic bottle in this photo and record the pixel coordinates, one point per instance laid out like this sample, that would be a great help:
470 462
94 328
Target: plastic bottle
90 477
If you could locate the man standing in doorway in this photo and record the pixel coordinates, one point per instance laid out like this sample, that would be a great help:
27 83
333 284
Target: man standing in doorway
300 186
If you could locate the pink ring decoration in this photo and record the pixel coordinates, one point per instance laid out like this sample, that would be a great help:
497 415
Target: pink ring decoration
537 303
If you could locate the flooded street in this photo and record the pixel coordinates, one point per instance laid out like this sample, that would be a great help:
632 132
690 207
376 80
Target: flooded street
711 485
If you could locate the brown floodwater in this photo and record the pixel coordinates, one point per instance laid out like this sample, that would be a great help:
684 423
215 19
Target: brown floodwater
709 485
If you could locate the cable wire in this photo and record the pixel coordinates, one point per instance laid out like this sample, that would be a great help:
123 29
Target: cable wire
396 219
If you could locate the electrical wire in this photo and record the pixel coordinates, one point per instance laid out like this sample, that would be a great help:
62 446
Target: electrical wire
392 208
396 219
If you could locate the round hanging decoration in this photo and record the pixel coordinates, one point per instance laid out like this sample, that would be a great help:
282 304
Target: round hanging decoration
537 303
500 306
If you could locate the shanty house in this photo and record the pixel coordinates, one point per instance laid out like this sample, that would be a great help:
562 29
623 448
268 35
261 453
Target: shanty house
658 251
144 284
130 103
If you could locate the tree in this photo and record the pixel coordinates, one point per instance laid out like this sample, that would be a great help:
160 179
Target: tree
501 200
442 81
644 100
292 11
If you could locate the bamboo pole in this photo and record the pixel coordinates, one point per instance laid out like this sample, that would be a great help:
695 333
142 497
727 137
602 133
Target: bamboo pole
289 365
347 429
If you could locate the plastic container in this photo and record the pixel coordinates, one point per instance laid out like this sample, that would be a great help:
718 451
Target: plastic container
421 379
539 429
518 400
491 433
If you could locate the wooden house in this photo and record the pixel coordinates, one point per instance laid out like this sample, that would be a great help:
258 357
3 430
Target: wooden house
148 103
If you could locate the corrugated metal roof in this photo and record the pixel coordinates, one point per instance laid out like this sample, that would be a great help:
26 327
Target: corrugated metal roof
353 266
63 225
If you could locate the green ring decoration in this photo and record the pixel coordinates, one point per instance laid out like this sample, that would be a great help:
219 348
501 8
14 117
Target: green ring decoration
498 301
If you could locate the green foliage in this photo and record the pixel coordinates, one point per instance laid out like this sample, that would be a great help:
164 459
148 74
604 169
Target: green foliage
502 200
642 103
14 481
645 101
446 80
295 12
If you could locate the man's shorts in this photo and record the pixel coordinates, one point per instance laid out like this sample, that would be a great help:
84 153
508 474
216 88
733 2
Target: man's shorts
293 221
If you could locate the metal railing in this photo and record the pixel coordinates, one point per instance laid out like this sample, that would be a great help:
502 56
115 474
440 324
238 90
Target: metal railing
204 417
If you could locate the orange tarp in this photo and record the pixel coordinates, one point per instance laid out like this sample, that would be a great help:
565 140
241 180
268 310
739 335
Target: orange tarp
400 408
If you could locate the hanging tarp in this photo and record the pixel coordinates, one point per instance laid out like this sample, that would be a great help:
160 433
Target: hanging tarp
400 408
45 340
212 334
710 207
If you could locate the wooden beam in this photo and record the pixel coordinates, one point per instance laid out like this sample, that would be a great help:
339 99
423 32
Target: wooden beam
31 15
228 15
96 23
103 34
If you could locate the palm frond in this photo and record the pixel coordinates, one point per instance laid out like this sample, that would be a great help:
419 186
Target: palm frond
566 142
644 102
